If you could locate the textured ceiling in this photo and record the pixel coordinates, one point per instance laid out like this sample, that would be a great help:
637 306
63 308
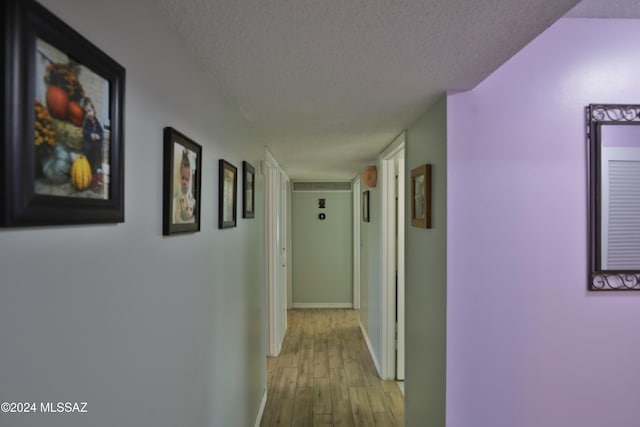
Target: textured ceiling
330 83
619 9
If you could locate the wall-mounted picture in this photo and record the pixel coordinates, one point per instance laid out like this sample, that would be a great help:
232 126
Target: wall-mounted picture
182 174
227 195
248 190
63 119
365 206
421 196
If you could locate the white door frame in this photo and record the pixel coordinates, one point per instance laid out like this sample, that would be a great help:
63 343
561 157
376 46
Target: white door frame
288 258
400 296
357 197
390 159
275 235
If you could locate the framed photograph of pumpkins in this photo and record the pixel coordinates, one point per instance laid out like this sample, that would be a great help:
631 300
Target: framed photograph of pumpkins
62 147
182 179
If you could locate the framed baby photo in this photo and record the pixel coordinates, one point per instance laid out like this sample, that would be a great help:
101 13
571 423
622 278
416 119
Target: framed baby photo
421 196
182 174
227 190
248 190
62 145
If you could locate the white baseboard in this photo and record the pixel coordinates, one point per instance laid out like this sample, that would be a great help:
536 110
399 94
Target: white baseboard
371 352
261 410
322 305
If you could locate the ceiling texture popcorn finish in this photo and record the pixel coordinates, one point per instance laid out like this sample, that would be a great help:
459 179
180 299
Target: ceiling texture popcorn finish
616 9
330 83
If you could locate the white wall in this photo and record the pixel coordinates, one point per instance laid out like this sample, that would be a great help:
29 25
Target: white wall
527 344
149 330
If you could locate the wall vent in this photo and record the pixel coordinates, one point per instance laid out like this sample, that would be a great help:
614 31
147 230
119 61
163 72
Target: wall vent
321 185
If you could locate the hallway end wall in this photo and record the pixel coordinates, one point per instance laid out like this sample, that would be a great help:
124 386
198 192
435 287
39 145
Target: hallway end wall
322 250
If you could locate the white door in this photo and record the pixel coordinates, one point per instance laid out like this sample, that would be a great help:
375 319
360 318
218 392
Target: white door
282 244
275 237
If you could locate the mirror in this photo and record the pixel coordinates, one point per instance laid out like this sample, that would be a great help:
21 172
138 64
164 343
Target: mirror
614 197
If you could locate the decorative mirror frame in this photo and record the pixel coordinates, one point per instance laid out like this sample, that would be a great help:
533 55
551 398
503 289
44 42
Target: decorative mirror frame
598 115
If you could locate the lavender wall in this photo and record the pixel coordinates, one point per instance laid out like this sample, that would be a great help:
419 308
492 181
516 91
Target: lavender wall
527 345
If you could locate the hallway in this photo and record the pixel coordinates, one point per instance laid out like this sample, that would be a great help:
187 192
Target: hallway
324 376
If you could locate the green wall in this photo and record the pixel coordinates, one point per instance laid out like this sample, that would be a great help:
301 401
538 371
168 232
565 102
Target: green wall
149 330
370 282
426 277
322 250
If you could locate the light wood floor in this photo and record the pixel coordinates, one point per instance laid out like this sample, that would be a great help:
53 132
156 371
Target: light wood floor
324 376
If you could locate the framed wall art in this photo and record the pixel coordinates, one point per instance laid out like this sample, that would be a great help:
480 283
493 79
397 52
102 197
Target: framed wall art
248 190
182 176
365 206
62 148
421 196
227 195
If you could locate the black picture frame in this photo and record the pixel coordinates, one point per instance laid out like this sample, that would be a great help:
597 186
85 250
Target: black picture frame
54 82
227 194
182 179
248 190
365 207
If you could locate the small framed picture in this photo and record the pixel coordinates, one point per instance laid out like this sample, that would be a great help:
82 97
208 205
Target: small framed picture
421 196
227 195
182 174
62 147
365 206
248 194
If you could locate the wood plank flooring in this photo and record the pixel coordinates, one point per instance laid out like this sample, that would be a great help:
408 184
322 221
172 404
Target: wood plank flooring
324 376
